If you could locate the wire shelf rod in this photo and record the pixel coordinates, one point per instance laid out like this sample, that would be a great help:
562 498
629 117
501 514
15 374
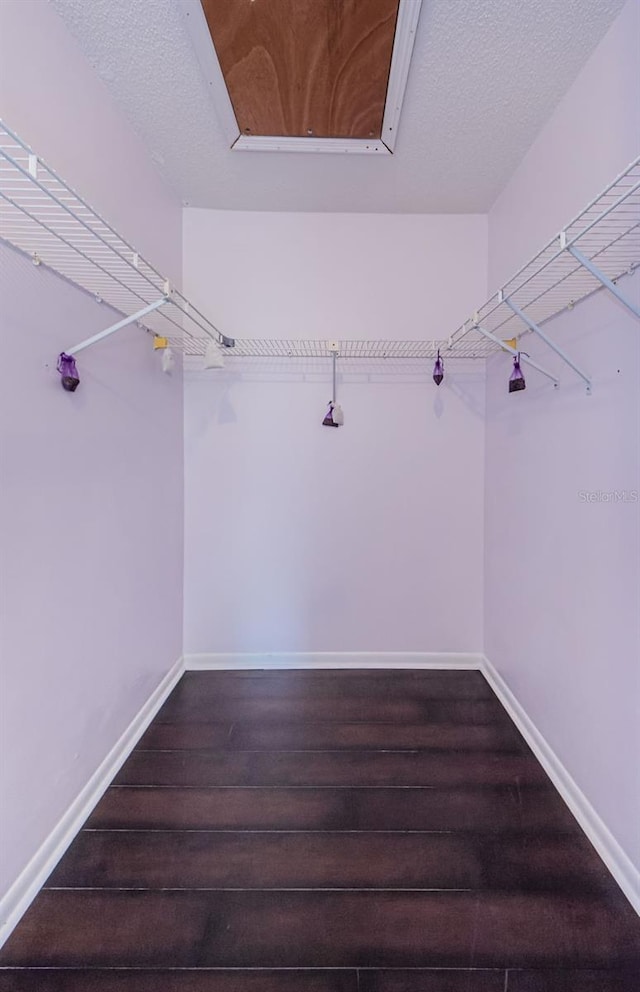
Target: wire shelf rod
79 251
46 200
45 219
94 232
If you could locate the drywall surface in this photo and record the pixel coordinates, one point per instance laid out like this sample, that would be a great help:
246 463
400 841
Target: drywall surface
90 482
52 98
562 576
301 537
90 526
562 584
591 137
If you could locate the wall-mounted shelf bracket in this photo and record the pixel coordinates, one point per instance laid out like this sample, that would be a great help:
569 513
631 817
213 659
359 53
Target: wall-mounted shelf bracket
601 277
117 326
514 351
551 344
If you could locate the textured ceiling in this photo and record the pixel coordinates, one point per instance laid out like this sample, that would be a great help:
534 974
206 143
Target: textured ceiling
485 76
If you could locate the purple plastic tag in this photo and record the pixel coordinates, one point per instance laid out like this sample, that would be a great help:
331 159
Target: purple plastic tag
516 380
69 372
438 370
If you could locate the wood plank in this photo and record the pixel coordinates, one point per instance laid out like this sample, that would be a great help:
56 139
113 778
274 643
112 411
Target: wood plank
207 735
309 709
492 808
386 736
335 736
92 928
175 859
397 980
354 768
570 980
330 683
299 66
433 980
113 859
205 980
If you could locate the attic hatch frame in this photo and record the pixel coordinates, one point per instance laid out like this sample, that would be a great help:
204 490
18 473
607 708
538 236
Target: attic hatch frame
45 219
196 26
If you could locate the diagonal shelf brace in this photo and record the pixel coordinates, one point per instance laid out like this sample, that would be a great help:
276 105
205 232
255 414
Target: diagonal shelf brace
600 276
514 351
116 327
554 347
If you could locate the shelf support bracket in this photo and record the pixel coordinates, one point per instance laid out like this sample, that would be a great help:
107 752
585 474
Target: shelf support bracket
554 347
600 276
514 351
116 327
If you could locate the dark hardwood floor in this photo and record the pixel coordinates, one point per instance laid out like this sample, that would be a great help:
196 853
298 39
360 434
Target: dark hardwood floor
328 831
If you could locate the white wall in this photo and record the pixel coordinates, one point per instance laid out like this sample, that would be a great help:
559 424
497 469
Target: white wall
591 137
90 482
303 538
562 579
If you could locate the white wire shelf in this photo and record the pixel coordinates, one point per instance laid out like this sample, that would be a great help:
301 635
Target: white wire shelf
351 349
606 232
43 217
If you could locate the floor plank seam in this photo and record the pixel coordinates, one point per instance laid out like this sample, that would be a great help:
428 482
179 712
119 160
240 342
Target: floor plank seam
210 788
249 888
463 969
515 833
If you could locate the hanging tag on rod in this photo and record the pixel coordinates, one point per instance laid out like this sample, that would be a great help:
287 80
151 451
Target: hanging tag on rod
328 417
438 370
516 380
69 372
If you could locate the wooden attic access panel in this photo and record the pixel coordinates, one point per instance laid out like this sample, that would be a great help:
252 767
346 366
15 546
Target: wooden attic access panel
300 68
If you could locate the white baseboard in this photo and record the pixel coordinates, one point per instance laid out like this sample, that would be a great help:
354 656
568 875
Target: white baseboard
617 861
333 659
19 897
